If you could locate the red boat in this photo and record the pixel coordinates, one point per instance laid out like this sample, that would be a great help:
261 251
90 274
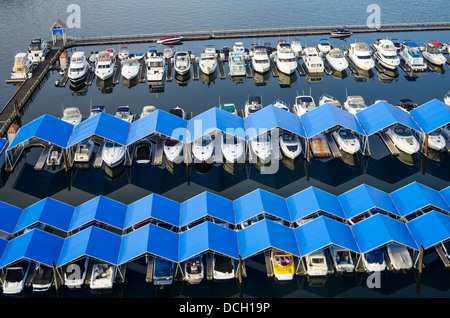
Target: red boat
169 40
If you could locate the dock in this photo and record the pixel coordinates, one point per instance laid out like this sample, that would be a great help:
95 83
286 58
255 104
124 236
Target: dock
335 152
64 79
42 158
90 78
117 71
274 68
300 69
389 144
221 67
158 153
195 69
248 70
143 73
169 70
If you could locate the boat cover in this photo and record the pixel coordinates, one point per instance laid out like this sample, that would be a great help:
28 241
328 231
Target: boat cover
432 115
430 229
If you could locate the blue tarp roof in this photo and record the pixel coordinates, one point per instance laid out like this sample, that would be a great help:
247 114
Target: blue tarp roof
379 230
158 122
272 117
446 194
328 116
383 115
432 115
323 232
430 229
47 128
266 234
9 215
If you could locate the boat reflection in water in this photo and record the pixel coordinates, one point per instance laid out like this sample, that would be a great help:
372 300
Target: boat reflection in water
261 79
286 80
208 78
105 86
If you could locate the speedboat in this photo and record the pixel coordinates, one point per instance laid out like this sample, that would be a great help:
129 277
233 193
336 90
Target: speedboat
54 156
341 32
143 152
104 66
354 104
124 113
436 140
347 140
312 61
361 56
37 50
84 151
168 53
337 60
163 271
102 276
407 104
15 278
155 66
262 146
194 270
285 59
139 56
252 105
260 59
410 53
232 148
113 154
203 149
173 150
223 267
181 62
316 264
281 105
386 54
42 278
342 259
374 261
303 104
399 256
75 273
23 67
236 64
78 67
328 99
97 109
319 147
296 46
229 107
170 40
433 53
123 53
403 139
147 110
72 115
130 68
208 61
179 112
283 265
324 46
290 144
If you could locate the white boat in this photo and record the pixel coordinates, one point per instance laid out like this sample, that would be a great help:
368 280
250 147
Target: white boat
102 276
124 113
72 115
399 256
143 152
123 53
386 54
229 107
436 140
347 140
336 59
403 139
262 147
238 47
281 105
203 149
37 50
113 154
283 265
236 64
290 144
354 104
208 61
181 62
54 156
447 98
23 67
340 33
410 52
407 104
84 151
342 259
252 105
361 56
104 65
328 99
223 267
130 68
260 59
75 273
168 53
147 110
78 67
374 261
316 264
232 148
285 59
303 104
15 278
433 53
312 61
139 56
296 46
324 46
194 270
173 150
42 278
155 66
96 109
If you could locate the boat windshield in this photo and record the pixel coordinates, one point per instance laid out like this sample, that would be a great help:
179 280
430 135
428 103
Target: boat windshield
132 63
346 134
289 138
404 132
285 48
374 257
203 142
110 145
357 102
336 54
171 143
70 113
230 140
263 138
435 133
317 260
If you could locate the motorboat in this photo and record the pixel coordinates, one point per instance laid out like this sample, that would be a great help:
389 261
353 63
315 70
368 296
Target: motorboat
386 54
361 56
96 109
233 148
194 270
336 59
75 273
37 50
328 99
374 261
403 139
436 140
407 104
203 149
303 104
181 62
283 265
296 46
346 140
113 154
433 53
143 152
285 59
223 267
316 264
104 66
179 112
260 59
147 110
168 53
208 61
173 150
124 113
42 278
229 108
399 256
163 272
252 105
123 53
139 56
72 115
238 47
397 44
324 46
155 66
15 278
102 276
112 53
23 67
78 67
54 156
341 32
342 259
354 104
447 98
319 147
281 105
290 144
170 40
262 146
84 151
410 52
312 61
236 64
130 68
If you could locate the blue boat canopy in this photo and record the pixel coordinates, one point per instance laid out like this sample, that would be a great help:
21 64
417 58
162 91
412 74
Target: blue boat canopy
430 229
446 195
9 215
432 115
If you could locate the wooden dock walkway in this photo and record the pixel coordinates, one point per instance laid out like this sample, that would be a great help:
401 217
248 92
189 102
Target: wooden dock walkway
169 70
221 68
90 77
117 73
389 144
274 68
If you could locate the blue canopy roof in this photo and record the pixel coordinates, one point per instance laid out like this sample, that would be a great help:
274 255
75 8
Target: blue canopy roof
323 232
430 229
47 128
432 115
379 230
260 201
9 215
383 115
328 116
446 194
363 198
267 234
272 117
158 122
102 125
215 119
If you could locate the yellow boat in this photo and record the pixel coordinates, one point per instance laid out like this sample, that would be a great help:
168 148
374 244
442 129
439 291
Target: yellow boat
283 265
